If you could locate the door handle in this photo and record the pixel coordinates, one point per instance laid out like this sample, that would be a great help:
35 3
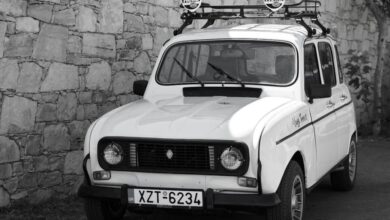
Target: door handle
330 104
343 97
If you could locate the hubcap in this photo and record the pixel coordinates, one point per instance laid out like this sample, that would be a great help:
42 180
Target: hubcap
297 199
352 162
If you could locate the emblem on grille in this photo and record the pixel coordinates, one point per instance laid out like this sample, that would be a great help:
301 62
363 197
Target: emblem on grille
169 154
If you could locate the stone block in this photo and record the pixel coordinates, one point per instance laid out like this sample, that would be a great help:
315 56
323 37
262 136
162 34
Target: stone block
41 163
161 16
40 196
49 179
134 23
30 78
42 12
46 112
5 171
74 44
17 115
99 76
33 145
111 16
86 20
66 107
74 163
19 45
161 36
13 7
78 129
3 30
19 195
61 77
9 151
51 43
11 185
17 169
99 45
90 111
9 73
174 18
27 24
123 82
65 17
142 64
28 181
56 163
85 97
4 198
56 138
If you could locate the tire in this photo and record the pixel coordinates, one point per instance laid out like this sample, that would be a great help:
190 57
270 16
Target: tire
290 208
104 209
345 179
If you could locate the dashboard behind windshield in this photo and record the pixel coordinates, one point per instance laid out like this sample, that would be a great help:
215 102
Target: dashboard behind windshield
229 62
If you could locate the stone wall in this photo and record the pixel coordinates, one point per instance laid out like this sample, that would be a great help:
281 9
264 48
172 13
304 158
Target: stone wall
64 63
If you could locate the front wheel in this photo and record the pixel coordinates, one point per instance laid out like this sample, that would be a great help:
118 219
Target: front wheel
104 209
292 194
344 179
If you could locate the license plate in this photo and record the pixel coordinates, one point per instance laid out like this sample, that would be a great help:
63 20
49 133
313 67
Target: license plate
166 198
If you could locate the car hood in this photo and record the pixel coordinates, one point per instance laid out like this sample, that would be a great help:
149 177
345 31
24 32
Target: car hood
188 118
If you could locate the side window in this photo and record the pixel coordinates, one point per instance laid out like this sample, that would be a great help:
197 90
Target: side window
327 63
312 72
341 74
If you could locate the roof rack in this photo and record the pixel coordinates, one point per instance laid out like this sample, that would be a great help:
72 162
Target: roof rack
304 9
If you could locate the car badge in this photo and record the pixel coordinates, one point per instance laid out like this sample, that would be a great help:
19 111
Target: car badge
191 5
169 154
274 5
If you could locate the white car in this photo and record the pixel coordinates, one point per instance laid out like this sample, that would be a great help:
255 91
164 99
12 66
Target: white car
247 117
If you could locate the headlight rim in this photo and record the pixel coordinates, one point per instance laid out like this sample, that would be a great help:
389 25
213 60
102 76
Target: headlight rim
121 153
242 161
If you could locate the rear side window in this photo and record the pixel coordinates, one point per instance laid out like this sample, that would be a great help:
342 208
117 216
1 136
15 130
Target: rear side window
341 74
312 72
327 63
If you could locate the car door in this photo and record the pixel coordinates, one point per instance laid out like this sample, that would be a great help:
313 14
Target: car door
345 113
322 112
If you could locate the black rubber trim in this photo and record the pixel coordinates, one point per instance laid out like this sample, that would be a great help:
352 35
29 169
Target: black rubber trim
222 91
211 198
227 40
85 169
312 123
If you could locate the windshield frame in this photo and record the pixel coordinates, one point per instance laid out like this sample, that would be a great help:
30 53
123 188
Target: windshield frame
162 60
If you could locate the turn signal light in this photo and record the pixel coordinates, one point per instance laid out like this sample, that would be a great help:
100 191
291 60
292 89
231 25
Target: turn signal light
102 175
247 182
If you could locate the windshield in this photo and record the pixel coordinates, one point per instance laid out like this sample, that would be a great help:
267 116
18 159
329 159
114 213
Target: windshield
237 62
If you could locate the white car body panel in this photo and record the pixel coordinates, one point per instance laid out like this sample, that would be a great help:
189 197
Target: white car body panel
275 127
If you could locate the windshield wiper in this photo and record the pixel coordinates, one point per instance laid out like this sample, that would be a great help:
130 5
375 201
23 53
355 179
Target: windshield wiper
188 73
224 73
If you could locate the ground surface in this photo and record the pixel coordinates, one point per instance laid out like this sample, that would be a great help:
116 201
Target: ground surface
369 200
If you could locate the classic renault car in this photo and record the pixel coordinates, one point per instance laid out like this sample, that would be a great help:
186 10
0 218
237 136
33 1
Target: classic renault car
250 117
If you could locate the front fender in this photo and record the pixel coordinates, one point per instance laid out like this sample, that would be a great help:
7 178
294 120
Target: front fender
287 131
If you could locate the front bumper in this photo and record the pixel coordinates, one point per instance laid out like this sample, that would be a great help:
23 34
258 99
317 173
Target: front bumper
212 199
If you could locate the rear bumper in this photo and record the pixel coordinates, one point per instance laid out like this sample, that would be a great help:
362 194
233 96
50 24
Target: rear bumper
212 199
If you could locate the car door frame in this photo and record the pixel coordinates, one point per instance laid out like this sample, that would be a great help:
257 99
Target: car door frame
324 124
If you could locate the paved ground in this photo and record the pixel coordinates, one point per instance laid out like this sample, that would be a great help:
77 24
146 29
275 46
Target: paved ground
370 200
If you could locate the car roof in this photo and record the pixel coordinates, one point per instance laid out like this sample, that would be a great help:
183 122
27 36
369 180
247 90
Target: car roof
277 32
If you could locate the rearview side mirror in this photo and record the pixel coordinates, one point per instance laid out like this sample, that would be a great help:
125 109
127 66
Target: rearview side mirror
319 92
139 87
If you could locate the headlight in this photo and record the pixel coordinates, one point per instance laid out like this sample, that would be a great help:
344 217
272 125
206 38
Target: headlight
232 158
113 154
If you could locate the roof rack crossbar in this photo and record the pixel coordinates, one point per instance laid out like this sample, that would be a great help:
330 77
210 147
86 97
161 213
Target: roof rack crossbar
307 10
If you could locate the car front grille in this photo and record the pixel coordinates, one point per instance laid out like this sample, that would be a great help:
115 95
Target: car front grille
171 156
